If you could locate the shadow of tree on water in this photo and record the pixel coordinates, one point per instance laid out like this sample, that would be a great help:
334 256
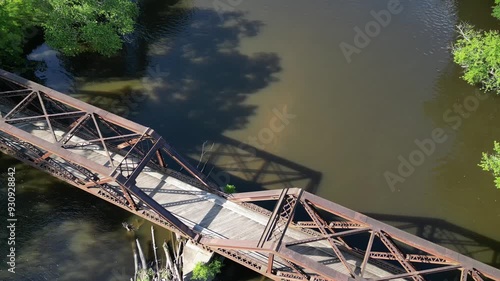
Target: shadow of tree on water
197 83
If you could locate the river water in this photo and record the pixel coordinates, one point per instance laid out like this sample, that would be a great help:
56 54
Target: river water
272 74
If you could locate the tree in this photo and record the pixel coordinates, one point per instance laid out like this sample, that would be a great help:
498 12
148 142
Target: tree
76 26
206 272
70 26
496 9
491 163
478 52
15 19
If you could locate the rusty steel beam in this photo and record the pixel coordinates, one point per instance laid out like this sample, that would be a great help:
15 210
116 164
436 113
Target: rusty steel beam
319 221
324 271
128 143
145 160
273 220
260 195
75 103
464 274
402 236
91 142
324 237
333 224
367 253
297 270
419 273
290 276
129 198
84 162
99 182
286 217
270 263
475 275
410 257
399 256
304 268
42 104
17 92
53 148
21 104
104 146
37 118
73 127
191 170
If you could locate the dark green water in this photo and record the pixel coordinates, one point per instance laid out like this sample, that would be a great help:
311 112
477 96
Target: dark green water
197 75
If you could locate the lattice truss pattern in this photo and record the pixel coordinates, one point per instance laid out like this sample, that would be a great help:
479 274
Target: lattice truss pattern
339 234
128 149
105 155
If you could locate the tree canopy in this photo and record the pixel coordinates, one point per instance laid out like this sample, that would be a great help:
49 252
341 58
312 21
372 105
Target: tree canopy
76 26
478 52
491 163
70 26
496 9
15 18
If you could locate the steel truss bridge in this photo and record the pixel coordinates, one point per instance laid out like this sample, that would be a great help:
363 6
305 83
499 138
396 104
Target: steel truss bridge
303 237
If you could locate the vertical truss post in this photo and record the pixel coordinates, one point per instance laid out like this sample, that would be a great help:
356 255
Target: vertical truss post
270 262
367 253
46 114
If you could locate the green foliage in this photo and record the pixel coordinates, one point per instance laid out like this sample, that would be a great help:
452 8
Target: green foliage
76 26
70 26
229 188
16 16
496 9
205 272
491 163
478 53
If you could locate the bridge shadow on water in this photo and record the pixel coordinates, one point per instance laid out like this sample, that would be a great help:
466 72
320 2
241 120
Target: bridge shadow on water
194 83
446 234
229 161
